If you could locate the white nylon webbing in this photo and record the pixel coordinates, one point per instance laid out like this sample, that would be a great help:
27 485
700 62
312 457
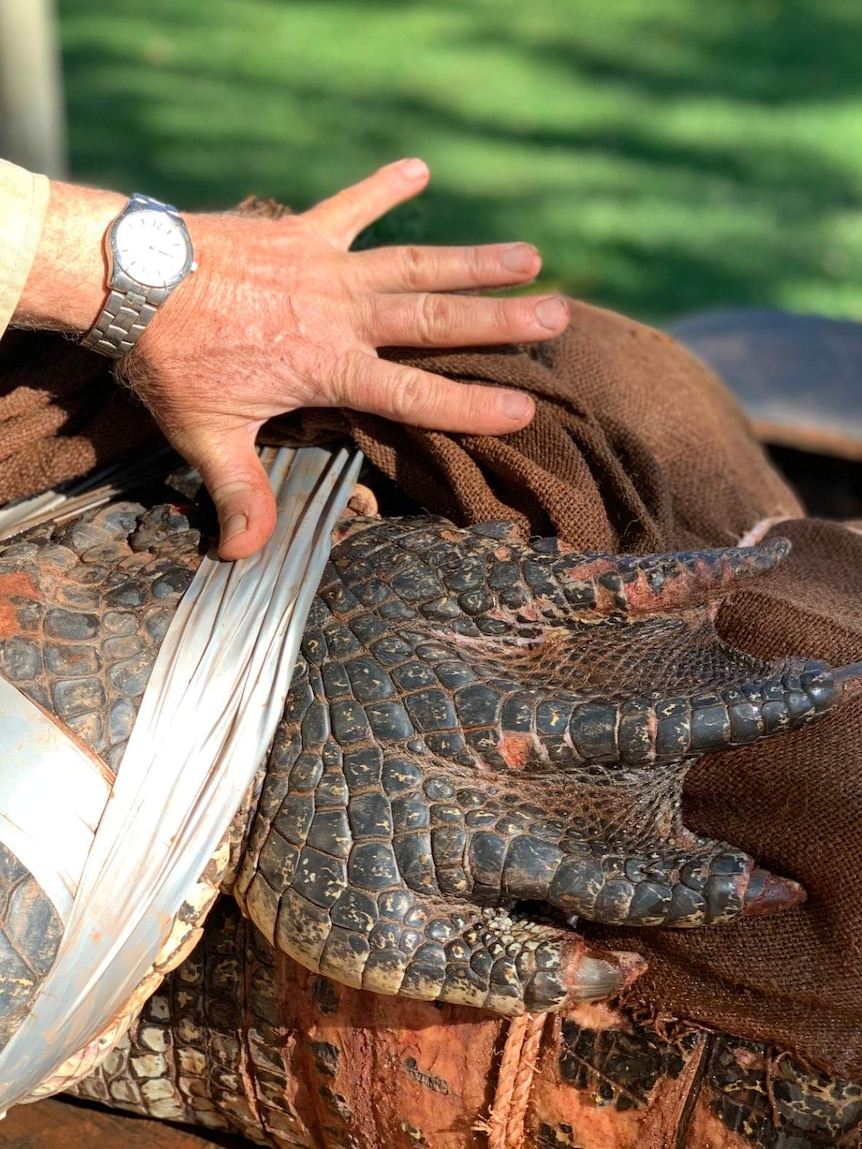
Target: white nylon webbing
52 795
206 719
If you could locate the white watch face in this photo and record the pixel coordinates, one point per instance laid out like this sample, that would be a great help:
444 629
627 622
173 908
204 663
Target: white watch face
151 247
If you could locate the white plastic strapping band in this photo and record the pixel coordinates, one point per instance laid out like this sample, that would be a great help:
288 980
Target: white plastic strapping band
209 713
52 795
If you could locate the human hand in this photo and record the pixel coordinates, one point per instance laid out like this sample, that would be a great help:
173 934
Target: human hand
281 315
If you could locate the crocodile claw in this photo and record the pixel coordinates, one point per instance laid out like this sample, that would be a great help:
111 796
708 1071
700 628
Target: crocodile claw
769 894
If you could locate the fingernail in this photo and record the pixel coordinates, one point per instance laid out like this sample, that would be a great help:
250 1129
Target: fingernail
414 169
551 313
514 404
519 257
236 525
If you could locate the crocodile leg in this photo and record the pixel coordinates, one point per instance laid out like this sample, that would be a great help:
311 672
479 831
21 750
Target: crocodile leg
473 723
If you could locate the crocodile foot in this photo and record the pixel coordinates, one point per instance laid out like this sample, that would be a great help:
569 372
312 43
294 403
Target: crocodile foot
480 729
483 740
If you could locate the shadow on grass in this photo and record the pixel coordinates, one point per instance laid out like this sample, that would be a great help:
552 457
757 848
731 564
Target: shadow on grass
768 52
683 222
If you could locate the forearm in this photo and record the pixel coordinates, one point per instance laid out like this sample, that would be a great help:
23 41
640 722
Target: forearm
65 289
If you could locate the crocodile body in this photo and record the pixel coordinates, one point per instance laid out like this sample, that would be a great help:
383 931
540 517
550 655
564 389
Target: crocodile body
240 1038
474 726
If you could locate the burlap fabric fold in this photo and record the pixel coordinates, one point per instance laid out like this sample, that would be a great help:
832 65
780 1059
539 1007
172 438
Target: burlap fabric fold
61 414
636 447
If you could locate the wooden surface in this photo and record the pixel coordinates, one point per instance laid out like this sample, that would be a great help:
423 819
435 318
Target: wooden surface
59 1124
798 377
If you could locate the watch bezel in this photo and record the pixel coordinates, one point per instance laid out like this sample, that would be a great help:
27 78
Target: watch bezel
116 263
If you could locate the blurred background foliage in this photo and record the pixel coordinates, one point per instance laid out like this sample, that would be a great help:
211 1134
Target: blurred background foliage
664 155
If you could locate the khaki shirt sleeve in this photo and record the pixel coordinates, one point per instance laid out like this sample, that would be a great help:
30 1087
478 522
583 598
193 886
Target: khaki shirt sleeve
23 203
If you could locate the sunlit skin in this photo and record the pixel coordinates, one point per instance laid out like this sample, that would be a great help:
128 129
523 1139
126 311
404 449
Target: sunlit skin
281 314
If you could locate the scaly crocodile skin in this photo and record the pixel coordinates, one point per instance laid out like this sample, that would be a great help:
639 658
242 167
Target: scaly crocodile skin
222 1045
83 610
473 723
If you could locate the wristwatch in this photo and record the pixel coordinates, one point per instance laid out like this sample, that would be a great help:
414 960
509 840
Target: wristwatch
149 252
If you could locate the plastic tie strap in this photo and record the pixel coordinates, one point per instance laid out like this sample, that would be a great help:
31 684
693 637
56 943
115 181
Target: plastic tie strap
207 717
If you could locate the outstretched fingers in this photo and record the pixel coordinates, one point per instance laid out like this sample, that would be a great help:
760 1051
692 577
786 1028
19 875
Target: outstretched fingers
409 395
430 320
411 268
343 216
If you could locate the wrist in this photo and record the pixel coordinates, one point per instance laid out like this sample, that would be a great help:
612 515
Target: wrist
149 254
66 286
184 322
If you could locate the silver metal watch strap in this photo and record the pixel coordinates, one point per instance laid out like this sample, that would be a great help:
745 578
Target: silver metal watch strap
123 320
128 309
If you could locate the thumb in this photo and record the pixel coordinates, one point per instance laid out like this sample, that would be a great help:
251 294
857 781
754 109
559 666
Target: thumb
239 487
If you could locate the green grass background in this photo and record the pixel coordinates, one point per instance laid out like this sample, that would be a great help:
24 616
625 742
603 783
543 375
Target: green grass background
664 155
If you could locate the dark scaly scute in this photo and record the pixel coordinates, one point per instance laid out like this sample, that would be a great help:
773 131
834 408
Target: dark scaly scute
774 1103
619 1066
211 1026
30 932
766 1100
104 588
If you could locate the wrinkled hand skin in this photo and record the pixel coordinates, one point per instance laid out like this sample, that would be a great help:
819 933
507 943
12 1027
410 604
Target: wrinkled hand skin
475 723
483 741
281 314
